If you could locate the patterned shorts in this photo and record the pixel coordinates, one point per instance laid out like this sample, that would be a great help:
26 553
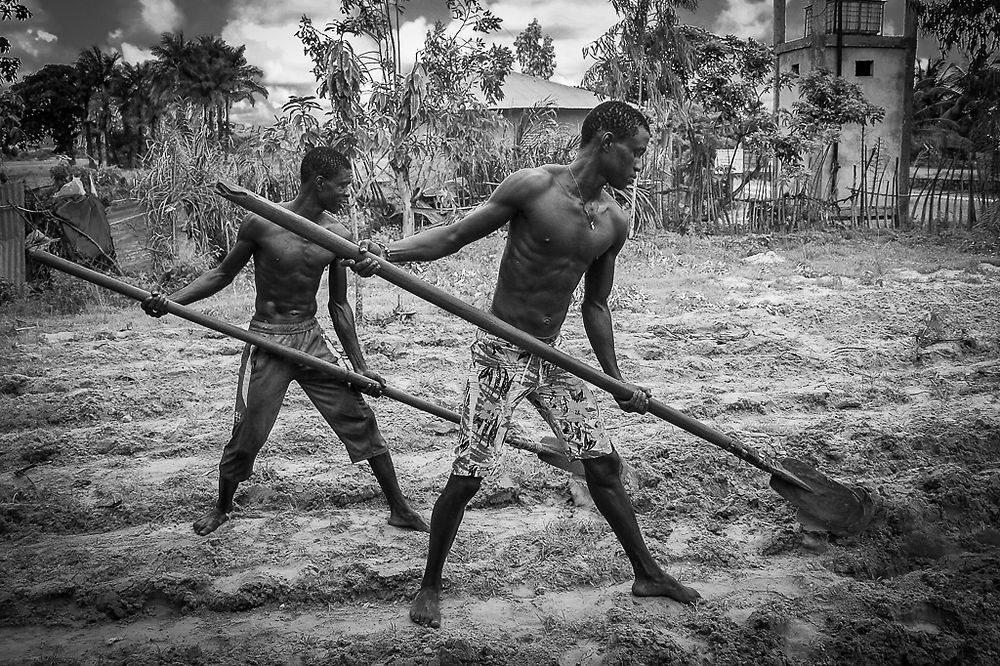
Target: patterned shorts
500 375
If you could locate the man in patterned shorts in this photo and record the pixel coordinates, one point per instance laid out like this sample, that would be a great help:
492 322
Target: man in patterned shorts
287 275
563 228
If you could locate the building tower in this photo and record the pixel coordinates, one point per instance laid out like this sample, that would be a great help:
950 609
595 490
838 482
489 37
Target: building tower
846 37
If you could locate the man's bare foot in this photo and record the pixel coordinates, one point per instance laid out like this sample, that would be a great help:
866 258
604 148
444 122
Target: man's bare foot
408 519
425 608
664 587
210 521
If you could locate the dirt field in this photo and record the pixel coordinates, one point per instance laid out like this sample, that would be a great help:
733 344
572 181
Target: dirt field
877 360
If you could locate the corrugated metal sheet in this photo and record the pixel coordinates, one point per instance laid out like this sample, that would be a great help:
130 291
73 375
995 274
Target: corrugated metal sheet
11 233
129 230
523 92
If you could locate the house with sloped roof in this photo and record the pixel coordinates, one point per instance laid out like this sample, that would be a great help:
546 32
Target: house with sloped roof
522 93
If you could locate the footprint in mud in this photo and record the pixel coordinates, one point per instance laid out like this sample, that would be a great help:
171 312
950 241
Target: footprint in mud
929 617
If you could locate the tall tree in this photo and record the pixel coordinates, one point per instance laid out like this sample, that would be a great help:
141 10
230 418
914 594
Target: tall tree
242 84
826 104
171 55
968 35
208 73
54 106
11 112
643 57
10 10
135 92
96 69
535 53
723 99
969 27
379 108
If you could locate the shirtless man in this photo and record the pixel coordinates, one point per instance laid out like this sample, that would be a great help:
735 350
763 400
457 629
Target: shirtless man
287 274
563 227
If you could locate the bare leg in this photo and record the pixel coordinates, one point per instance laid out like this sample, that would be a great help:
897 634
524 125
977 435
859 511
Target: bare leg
220 512
604 480
400 513
448 513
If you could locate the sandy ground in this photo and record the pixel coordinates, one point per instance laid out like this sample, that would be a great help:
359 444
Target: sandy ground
874 360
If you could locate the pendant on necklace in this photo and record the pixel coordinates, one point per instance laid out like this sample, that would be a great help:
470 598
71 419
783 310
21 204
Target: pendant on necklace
590 216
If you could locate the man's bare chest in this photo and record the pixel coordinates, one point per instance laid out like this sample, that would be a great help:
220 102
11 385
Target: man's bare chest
562 225
292 253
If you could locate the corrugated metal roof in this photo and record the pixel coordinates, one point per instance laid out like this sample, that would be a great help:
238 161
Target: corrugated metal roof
523 92
11 232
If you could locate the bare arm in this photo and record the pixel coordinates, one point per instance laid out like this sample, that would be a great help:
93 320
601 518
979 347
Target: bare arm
343 317
213 280
344 324
500 208
597 314
598 281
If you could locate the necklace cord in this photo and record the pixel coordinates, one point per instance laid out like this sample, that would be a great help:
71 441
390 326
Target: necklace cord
583 202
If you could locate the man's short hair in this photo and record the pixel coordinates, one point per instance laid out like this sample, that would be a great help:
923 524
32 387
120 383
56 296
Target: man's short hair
323 161
621 119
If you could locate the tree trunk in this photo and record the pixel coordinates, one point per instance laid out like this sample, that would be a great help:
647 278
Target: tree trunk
406 194
88 135
102 147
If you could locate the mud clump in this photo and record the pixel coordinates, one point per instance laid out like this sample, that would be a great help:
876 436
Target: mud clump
503 492
944 515
943 614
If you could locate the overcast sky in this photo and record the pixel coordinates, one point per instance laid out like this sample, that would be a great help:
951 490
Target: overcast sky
60 29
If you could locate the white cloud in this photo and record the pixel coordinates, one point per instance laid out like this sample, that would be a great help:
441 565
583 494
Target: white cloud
268 30
115 35
44 35
412 35
746 18
25 43
160 15
135 54
273 48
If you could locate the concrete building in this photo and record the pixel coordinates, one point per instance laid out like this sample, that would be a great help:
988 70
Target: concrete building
846 37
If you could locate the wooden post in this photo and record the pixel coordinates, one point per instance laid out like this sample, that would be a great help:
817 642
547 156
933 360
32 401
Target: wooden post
864 181
906 129
949 176
972 195
960 201
896 222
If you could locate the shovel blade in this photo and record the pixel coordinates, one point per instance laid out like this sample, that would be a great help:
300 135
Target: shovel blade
831 506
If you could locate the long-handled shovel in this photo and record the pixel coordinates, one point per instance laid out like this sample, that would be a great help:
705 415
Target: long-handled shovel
547 453
840 509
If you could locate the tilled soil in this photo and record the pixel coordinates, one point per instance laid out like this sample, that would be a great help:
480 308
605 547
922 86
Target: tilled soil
875 361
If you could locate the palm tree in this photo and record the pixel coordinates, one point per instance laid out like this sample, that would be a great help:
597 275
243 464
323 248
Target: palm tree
242 84
210 74
204 75
97 69
171 54
136 93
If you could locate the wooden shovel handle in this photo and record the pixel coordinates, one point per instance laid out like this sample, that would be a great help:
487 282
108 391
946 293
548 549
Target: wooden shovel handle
184 312
405 280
